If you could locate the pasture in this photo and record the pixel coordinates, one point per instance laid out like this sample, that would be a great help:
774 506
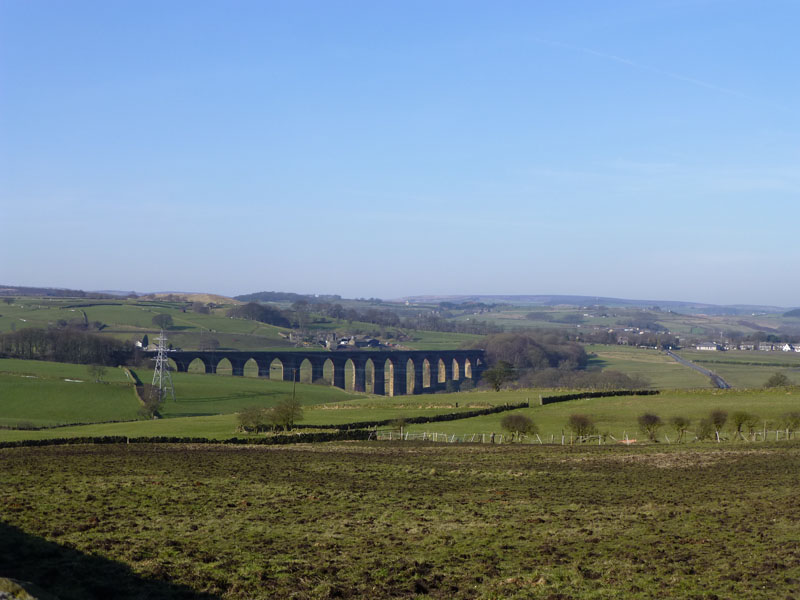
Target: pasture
747 369
44 394
402 520
656 367
207 405
131 319
617 416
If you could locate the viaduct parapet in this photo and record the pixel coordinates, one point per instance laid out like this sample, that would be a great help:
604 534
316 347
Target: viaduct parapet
394 372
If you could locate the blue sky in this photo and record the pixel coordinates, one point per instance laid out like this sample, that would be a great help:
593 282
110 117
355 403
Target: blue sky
628 149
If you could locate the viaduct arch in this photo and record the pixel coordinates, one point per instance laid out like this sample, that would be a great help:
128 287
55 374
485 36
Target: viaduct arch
392 370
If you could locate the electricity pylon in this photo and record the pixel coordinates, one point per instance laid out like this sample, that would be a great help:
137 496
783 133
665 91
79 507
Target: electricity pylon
161 377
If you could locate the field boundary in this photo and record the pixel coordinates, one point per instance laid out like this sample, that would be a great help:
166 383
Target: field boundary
419 420
300 438
608 394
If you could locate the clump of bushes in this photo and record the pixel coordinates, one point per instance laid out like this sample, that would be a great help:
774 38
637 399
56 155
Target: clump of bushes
255 419
518 425
581 425
777 379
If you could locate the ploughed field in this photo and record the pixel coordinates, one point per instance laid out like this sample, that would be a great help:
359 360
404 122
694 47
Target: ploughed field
380 520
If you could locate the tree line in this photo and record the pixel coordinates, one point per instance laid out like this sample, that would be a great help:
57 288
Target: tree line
741 425
546 358
65 345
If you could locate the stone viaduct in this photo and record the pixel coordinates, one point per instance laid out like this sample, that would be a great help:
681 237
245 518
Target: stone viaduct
395 372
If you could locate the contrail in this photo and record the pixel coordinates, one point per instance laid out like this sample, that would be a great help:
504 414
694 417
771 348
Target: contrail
641 67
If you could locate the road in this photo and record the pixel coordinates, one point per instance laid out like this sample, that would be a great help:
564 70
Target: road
716 379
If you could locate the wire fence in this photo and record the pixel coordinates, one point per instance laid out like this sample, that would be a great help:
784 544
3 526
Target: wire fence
567 439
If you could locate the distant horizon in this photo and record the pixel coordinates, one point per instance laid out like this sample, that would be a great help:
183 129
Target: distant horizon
403 297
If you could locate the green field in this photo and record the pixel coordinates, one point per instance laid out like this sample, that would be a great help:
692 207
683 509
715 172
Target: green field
131 319
402 520
207 404
438 340
656 367
46 394
747 369
618 415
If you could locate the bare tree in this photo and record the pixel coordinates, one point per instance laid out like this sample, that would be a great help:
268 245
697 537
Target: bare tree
650 424
208 344
718 419
518 425
96 372
705 429
741 422
680 425
499 374
163 321
791 422
581 425
286 413
151 400
252 419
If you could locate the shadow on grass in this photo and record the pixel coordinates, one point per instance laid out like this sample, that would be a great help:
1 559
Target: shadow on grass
596 363
231 397
178 415
70 574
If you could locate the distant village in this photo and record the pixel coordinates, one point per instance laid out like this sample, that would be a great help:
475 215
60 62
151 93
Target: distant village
331 341
752 346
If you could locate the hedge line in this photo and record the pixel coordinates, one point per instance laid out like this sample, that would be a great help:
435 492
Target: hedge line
360 434
346 431
564 398
432 419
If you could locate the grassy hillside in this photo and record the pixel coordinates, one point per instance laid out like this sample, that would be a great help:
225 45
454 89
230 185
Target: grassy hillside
659 369
131 319
747 369
46 394
618 415
207 404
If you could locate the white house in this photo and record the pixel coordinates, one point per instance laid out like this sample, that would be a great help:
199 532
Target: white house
708 346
